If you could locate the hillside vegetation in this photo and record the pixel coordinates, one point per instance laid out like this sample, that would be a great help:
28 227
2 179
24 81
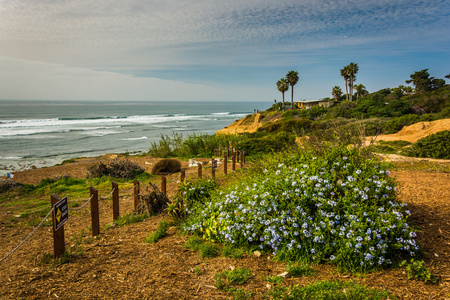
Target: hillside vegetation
381 113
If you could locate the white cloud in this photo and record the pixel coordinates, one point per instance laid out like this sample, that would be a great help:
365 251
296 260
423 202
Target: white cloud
103 40
20 79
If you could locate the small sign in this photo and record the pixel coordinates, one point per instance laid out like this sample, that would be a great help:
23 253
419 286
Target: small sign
214 164
60 213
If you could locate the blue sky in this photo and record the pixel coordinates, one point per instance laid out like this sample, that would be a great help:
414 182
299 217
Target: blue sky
214 50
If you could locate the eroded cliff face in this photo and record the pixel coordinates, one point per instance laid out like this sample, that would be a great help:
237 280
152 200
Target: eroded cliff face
248 124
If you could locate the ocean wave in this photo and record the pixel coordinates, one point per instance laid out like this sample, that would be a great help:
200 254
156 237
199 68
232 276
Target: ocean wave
11 157
135 139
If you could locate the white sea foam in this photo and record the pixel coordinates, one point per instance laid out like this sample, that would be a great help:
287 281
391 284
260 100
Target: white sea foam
135 139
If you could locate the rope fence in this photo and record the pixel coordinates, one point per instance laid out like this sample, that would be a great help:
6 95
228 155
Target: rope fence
23 242
58 233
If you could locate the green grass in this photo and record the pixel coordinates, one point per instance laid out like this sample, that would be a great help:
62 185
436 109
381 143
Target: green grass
160 232
209 249
130 218
232 251
300 270
329 290
227 278
194 243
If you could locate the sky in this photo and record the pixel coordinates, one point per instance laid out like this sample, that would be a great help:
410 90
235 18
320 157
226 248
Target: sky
209 50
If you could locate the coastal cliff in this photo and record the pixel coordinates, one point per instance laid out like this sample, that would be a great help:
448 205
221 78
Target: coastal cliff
250 123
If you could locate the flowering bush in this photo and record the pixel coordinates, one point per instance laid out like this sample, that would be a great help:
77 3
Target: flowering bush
189 193
339 208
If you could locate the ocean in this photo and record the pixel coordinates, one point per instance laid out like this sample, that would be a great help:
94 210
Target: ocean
40 133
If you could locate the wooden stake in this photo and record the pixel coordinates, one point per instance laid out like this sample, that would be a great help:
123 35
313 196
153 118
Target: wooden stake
233 160
95 212
225 164
163 185
182 175
199 171
213 170
115 198
136 194
58 235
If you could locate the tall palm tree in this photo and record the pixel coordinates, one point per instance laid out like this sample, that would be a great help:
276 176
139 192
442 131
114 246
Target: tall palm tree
292 79
282 86
345 74
352 70
360 90
336 92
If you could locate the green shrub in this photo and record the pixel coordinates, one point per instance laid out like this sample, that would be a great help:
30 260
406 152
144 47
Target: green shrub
396 124
208 249
160 232
194 243
268 143
339 207
127 169
224 279
389 147
296 126
231 251
289 114
433 146
416 270
195 191
166 166
300 269
166 146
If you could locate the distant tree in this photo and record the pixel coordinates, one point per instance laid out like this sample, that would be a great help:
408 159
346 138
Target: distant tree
421 81
352 70
345 74
336 92
282 86
437 83
447 76
292 78
360 90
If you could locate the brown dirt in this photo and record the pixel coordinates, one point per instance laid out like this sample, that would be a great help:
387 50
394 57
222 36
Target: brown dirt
241 126
118 265
415 132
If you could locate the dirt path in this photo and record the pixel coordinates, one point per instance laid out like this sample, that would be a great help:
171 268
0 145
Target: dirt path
119 265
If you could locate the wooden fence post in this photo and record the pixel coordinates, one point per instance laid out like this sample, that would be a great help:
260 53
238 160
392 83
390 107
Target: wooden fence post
199 171
213 170
225 164
163 185
94 211
58 235
115 198
136 194
182 175
233 162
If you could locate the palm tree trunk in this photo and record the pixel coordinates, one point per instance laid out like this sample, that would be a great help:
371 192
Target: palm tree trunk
292 97
346 89
283 101
351 88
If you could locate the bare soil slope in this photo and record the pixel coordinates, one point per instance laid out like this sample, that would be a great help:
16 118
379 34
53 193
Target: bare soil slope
415 132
